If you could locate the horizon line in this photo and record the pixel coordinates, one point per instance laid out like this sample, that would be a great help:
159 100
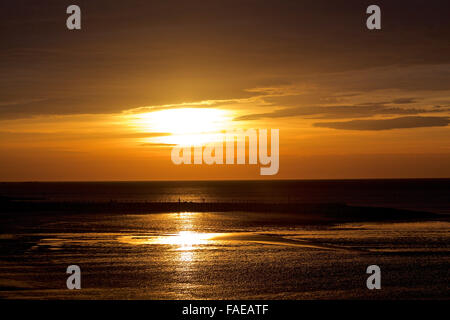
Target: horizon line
220 180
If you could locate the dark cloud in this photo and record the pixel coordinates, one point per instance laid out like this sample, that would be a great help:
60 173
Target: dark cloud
339 112
136 53
387 124
404 100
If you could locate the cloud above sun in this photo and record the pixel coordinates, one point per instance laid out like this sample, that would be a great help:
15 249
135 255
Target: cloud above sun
387 124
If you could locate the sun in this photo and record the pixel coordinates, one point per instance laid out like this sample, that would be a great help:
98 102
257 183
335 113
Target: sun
185 126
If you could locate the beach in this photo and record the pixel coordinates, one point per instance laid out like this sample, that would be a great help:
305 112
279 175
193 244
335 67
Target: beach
253 254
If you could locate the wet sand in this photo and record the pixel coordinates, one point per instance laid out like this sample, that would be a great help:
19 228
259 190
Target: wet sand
220 255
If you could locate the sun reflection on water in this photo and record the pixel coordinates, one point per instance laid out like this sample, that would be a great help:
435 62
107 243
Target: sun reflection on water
184 240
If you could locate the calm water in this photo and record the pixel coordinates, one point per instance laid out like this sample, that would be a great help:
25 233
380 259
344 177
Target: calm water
419 194
236 255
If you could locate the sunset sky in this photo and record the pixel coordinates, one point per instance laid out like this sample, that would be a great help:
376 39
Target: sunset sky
107 102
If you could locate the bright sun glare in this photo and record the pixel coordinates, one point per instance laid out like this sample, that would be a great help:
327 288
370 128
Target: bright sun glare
186 126
187 239
184 240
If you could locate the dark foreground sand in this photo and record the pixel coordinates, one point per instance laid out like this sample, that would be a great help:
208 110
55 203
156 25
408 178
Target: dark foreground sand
302 252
